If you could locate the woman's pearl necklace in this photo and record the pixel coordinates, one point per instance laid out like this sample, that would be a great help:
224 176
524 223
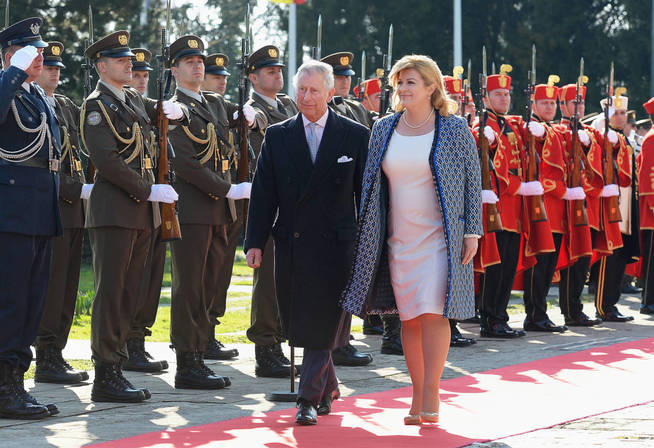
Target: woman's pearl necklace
406 121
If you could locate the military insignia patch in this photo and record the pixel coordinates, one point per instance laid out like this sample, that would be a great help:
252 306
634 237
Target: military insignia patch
192 43
35 28
272 53
93 118
344 60
56 51
140 57
122 39
220 62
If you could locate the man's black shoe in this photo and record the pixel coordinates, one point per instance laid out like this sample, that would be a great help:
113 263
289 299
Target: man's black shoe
647 309
140 360
306 413
582 321
350 356
12 403
457 340
217 351
193 374
109 385
268 364
325 405
546 326
615 317
476 319
630 289
501 331
51 368
19 383
373 330
392 346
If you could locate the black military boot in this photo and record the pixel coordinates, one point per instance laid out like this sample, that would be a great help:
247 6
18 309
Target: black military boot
279 353
391 340
51 368
12 403
228 382
110 385
19 381
140 360
268 364
350 356
193 374
216 350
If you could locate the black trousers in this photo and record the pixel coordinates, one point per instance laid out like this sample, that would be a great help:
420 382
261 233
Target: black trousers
318 377
648 267
497 281
59 307
573 279
23 286
537 282
607 274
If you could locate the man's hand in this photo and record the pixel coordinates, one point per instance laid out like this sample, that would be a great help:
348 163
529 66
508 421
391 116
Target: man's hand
489 134
583 137
533 188
253 257
468 250
240 191
24 57
248 112
172 110
536 129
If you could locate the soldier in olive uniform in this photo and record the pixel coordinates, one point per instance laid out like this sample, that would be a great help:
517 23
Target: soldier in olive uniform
343 105
215 80
215 73
265 74
123 208
29 213
66 259
206 206
153 272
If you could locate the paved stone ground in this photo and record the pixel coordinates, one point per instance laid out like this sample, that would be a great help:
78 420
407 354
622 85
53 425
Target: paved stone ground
82 421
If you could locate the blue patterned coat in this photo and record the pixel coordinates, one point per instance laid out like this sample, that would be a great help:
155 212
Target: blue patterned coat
457 180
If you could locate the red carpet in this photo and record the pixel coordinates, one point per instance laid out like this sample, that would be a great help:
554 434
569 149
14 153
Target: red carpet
484 406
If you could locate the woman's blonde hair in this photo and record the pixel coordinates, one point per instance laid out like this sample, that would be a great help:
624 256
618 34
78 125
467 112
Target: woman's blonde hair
431 75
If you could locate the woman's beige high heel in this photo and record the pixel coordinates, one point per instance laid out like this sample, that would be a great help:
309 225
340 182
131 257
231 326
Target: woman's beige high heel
412 419
429 417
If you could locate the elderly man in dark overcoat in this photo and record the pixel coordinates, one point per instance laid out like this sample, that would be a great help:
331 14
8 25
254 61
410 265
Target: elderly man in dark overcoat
306 191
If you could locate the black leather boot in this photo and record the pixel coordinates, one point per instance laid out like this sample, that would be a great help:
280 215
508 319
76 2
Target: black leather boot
109 385
279 353
12 403
193 374
216 350
140 360
350 356
268 364
51 368
19 381
391 340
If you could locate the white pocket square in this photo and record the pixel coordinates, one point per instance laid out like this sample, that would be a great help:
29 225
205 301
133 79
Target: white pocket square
344 159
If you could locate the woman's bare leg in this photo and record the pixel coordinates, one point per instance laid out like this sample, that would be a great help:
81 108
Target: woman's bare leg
412 345
435 332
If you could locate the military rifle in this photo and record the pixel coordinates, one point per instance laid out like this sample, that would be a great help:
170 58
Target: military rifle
492 223
170 229
612 203
383 73
578 208
243 170
87 66
535 204
362 78
317 50
7 14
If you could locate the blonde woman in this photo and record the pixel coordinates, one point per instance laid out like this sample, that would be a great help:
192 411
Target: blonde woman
420 219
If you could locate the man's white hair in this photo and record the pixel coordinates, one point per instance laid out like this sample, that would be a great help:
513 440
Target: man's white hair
312 67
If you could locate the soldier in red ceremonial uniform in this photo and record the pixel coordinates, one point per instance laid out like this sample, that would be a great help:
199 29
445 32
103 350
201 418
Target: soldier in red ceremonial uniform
576 249
505 136
608 272
552 171
646 194
371 94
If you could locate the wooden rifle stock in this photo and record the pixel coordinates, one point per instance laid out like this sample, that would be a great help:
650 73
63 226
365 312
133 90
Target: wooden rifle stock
170 229
536 205
612 203
243 173
493 221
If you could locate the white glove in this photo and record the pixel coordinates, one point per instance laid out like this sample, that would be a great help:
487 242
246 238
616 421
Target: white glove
163 193
583 137
489 134
489 197
533 188
536 129
613 136
172 110
610 190
248 111
598 122
24 57
574 194
86 191
240 191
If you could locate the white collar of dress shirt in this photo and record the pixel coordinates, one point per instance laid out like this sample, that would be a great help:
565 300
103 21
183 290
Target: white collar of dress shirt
26 86
322 121
267 99
190 93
